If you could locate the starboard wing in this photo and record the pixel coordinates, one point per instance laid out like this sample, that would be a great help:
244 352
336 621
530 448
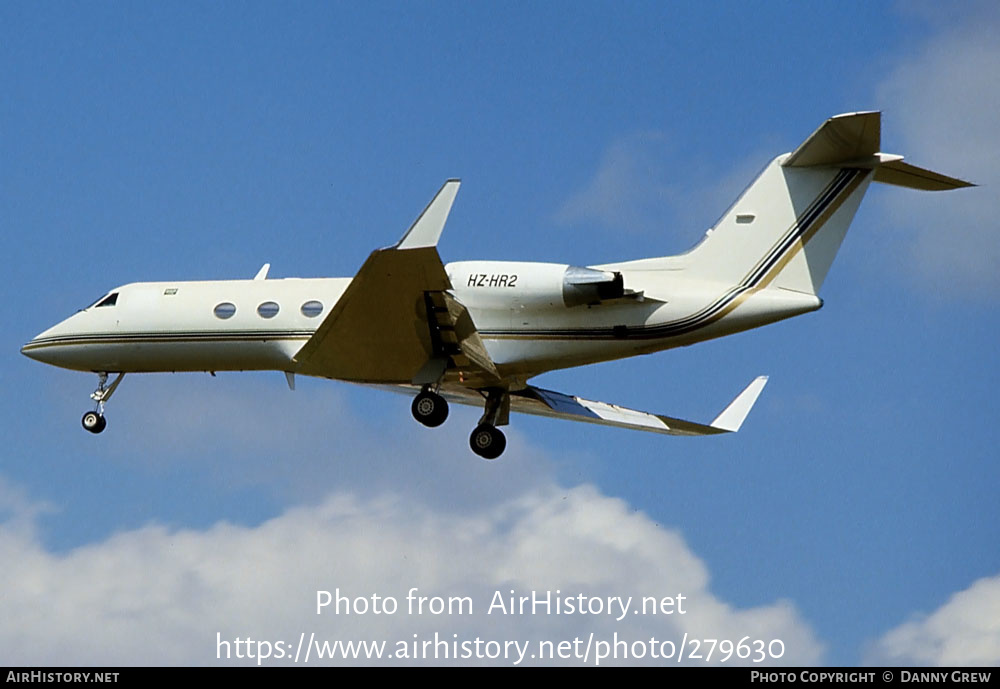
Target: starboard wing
395 322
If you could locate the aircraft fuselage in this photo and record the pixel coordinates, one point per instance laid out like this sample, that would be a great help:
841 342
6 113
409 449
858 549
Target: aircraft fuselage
520 310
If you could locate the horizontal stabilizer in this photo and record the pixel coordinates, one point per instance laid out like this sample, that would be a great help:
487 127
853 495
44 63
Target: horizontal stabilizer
902 174
853 140
841 139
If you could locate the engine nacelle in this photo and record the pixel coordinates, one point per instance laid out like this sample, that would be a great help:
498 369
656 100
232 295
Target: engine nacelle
499 284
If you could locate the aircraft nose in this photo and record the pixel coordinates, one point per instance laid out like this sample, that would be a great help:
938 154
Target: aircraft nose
70 344
26 350
33 349
44 346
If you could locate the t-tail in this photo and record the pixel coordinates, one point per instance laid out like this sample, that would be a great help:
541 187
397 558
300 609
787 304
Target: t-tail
786 228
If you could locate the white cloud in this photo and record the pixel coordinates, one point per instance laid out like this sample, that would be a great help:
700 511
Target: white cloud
940 106
18 512
159 596
627 188
964 631
643 186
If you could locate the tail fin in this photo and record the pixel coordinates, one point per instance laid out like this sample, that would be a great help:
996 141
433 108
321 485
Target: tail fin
786 228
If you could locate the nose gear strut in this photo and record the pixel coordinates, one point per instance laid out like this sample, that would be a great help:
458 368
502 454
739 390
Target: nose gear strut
94 421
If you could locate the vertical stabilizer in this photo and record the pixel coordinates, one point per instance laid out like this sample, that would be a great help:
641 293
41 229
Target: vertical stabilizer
786 228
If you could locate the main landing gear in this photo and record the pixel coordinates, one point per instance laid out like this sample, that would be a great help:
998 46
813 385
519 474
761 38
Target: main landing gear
94 421
429 408
487 441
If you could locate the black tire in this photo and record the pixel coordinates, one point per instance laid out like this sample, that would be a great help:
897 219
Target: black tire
430 409
93 422
487 441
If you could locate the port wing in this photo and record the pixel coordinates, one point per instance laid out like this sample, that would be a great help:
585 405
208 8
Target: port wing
534 400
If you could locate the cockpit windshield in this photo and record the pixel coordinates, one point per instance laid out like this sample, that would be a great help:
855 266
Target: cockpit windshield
106 300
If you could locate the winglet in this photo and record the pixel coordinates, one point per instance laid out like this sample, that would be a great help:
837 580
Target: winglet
426 230
732 416
262 273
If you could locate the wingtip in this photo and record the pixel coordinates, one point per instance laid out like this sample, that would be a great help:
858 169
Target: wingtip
733 416
427 228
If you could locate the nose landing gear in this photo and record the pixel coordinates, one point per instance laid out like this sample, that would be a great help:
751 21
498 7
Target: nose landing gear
94 421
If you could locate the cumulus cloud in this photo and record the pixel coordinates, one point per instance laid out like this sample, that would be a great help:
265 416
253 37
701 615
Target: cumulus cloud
940 104
160 596
18 512
964 631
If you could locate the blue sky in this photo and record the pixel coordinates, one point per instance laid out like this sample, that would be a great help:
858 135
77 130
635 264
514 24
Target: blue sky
854 516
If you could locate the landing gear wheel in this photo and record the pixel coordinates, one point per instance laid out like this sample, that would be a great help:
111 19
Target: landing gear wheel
429 408
487 441
94 422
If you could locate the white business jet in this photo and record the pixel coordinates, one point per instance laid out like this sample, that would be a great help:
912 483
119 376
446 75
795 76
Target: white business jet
476 332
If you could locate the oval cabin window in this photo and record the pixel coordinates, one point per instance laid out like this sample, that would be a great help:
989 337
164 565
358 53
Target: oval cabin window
225 310
312 308
268 309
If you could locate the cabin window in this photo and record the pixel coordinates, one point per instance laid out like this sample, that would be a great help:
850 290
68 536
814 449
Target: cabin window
312 308
225 310
109 300
268 309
